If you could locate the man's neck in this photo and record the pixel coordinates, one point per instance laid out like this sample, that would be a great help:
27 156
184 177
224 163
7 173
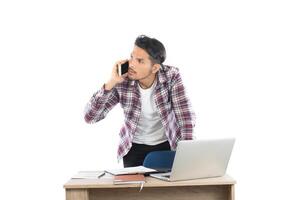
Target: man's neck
147 82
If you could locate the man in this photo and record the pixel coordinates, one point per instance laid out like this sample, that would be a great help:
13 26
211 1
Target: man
157 111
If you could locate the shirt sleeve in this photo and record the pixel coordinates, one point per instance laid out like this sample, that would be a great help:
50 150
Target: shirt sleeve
100 104
184 114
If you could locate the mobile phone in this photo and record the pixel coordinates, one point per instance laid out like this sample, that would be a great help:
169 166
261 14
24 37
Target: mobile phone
123 68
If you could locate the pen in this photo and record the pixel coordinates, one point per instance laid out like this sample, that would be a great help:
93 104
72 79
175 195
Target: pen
102 174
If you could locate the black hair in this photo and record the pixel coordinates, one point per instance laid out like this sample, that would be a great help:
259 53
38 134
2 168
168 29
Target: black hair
153 47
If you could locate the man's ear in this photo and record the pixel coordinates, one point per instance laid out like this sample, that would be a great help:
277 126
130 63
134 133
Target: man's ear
155 68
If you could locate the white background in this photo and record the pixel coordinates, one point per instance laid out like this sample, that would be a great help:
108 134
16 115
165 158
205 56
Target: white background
239 61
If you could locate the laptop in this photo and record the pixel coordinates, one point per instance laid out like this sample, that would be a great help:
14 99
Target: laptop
196 159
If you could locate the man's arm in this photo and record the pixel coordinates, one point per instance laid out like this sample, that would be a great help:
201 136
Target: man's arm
105 99
100 104
182 108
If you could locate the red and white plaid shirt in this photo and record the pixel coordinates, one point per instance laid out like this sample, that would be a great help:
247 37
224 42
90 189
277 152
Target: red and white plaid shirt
172 104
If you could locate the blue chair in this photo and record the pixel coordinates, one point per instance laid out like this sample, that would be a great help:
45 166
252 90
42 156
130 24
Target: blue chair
160 160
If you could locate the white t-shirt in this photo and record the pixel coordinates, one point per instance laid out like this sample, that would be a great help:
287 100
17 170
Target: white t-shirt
150 130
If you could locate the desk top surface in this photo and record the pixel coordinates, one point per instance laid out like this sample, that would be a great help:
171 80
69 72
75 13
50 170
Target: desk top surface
106 181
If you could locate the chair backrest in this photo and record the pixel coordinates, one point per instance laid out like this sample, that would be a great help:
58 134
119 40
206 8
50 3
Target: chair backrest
161 160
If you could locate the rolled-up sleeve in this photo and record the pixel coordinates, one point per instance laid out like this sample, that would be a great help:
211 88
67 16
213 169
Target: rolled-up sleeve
100 104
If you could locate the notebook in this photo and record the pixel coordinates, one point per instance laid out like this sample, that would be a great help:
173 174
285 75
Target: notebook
130 170
88 175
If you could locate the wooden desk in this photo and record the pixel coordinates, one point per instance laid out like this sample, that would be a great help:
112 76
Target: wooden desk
103 188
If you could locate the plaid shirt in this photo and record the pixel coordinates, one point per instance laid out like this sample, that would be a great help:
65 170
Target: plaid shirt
172 104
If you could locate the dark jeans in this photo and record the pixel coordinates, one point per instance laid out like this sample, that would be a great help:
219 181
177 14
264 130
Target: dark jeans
138 152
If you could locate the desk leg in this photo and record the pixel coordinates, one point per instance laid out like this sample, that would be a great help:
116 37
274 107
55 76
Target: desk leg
231 192
77 194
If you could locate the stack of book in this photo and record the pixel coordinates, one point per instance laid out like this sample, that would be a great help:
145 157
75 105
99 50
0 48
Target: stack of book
130 175
129 179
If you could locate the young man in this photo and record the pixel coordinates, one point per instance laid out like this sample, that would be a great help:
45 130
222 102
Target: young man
157 111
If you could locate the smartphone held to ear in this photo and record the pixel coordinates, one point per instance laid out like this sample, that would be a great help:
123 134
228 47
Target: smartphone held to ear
123 68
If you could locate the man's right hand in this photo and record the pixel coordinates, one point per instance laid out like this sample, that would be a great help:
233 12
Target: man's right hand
115 78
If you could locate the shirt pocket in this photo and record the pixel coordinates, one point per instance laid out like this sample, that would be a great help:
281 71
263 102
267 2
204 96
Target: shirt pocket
165 109
131 111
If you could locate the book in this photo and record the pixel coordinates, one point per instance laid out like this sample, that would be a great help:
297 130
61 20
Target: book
130 170
129 179
88 175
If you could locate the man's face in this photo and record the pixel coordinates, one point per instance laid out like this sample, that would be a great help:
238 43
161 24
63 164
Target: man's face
140 65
